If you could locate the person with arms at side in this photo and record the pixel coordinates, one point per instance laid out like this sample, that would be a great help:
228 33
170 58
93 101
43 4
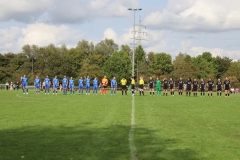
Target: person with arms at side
71 86
65 84
24 80
202 87
87 85
55 82
95 86
141 83
171 86
210 85
195 87
80 85
219 87
133 85
227 86
113 86
104 85
47 85
158 87
123 83
165 86
37 84
180 86
151 86
189 87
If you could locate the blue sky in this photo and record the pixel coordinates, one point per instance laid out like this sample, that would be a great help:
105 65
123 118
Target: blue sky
172 26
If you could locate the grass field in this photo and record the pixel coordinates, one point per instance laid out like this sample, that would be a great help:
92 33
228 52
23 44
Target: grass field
75 127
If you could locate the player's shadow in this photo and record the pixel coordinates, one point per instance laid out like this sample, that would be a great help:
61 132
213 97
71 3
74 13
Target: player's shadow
84 142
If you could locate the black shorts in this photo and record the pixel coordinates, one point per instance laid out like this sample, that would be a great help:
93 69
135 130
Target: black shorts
104 86
194 89
165 87
171 87
219 89
226 88
209 88
202 89
188 89
124 87
141 86
180 88
133 86
151 87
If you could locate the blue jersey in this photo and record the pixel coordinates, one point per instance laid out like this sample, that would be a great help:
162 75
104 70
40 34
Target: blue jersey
37 82
24 81
113 82
80 83
71 83
95 82
87 82
47 82
55 82
64 82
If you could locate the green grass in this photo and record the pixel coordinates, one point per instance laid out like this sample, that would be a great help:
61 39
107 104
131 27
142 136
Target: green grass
97 127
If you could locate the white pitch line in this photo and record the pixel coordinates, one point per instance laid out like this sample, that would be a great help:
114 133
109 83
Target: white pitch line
131 133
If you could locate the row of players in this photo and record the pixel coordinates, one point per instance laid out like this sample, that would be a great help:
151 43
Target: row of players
189 85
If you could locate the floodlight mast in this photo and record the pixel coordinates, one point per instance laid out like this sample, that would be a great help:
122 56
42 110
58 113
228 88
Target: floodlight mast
134 33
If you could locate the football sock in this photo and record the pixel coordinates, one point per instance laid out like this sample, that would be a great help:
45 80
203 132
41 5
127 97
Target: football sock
142 93
220 94
211 94
153 93
150 93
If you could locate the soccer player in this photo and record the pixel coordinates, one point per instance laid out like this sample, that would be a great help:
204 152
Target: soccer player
141 83
88 85
71 86
113 86
123 82
165 86
133 85
180 86
55 82
151 86
202 87
80 85
158 87
104 85
189 87
24 80
195 87
171 86
210 85
65 84
219 87
37 83
95 86
47 85
227 86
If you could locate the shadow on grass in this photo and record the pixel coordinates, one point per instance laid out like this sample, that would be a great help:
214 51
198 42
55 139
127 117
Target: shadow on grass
83 142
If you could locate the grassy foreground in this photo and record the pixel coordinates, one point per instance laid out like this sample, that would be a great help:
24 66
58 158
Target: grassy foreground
97 127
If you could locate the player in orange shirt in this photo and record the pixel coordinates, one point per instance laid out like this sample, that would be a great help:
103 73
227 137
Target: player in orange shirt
104 85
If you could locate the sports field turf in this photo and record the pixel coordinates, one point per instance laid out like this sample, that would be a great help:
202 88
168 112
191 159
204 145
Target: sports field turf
79 127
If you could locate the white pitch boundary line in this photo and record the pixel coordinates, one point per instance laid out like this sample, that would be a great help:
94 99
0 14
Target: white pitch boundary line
131 133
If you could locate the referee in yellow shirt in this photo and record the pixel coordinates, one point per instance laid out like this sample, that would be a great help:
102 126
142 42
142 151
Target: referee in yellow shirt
133 85
141 83
123 83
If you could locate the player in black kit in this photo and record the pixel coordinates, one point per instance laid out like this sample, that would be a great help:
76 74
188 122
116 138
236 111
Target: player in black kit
180 86
219 87
189 87
210 85
151 86
227 86
195 87
165 86
171 86
202 87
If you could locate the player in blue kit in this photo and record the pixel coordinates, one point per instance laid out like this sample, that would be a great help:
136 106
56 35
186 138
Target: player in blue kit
55 85
47 85
64 84
80 85
113 86
24 80
87 85
71 86
95 86
37 83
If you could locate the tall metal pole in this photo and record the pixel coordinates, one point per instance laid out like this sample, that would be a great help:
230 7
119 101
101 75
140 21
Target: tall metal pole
134 33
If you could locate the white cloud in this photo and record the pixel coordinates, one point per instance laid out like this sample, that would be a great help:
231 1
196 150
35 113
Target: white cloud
197 15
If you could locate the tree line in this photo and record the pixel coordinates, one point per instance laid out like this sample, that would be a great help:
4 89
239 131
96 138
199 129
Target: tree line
107 58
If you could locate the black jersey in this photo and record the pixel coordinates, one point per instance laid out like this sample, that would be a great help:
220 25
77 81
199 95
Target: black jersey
195 84
210 84
219 85
202 84
180 83
165 84
151 82
227 84
171 83
189 85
